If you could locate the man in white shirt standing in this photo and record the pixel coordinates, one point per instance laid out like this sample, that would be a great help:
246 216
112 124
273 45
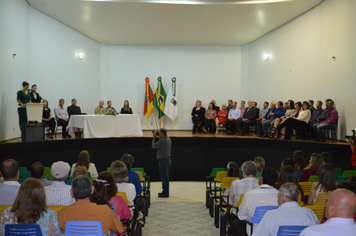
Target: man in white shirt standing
10 187
265 195
249 182
62 118
59 193
340 210
288 213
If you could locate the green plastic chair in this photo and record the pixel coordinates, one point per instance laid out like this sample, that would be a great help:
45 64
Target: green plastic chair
108 169
89 175
338 172
214 170
349 173
299 174
48 173
313 178
139 169
69 180
241 175
22 169
25 175
341 179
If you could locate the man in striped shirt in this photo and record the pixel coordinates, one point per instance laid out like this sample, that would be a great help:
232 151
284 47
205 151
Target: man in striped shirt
59 193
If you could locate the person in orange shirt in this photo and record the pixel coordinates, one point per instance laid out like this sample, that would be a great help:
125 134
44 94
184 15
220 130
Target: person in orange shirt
84 210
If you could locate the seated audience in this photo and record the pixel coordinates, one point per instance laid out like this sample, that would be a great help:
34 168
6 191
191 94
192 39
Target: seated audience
229 105
266 122
242 108
329 123
299 160
278 113
314 163
37 171
288 162
210 116
100 110
232 171
353 151
126 109
47 119
62 118
248 118
35 97
232 118
59 193
340 210
326 183
74 109
327 157
110 110
85 210
262 116
198 116
121 207
30 208
260 164
10 187
288 175
221 117
79 170
311 106
290 110
240 186
119 172
313 119
216 108
84 160
133 176
300 122
288 213
253 199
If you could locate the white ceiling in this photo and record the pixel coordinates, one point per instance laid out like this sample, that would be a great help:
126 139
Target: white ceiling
174 22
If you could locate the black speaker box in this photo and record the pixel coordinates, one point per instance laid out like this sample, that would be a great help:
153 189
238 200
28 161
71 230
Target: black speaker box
33 132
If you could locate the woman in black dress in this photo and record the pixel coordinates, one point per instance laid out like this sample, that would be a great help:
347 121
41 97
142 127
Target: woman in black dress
126 109
198 116
35 97
47 119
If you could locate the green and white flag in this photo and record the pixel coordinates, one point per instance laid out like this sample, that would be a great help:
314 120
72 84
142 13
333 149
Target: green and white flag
171 107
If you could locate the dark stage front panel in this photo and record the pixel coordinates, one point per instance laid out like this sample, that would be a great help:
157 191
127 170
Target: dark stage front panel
192 157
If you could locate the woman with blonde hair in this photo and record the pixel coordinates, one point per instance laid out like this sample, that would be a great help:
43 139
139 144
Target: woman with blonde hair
314 163
221 117
30 208
260 164
84 160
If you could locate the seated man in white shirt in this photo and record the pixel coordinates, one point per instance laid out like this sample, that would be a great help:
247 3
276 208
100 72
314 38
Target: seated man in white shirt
288 213
62 118
265 195
340 210
249 182
10 187
59 193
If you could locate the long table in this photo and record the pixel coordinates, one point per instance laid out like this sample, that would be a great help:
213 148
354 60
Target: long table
106 126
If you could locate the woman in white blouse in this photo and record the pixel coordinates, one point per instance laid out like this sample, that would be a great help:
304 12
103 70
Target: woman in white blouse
299 122
289 113
84 160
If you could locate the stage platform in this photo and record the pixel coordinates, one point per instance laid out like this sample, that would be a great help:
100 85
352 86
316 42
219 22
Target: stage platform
193 156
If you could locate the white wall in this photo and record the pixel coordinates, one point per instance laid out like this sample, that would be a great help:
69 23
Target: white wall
301 65
14 39
202 72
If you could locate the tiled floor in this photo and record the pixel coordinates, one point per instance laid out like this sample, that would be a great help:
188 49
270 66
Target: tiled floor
183 213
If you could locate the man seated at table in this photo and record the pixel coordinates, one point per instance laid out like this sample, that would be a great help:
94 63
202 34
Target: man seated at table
84 210
110 110
100 110
62 118
74 109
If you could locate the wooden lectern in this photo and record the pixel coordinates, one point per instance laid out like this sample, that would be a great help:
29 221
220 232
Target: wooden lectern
34 111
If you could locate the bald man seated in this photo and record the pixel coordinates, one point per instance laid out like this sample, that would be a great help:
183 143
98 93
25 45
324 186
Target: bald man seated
340 210
100 110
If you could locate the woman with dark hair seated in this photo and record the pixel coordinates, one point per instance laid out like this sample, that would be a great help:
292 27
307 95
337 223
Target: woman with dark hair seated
288 162
47 118
210 116
289 113
30 208
300 122
126 109
233 170
198 114
288 175
299 160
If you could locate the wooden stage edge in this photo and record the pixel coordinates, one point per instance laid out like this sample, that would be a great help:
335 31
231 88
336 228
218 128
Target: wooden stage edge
188 134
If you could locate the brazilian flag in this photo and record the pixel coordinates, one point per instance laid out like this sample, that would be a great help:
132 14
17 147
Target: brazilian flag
159 100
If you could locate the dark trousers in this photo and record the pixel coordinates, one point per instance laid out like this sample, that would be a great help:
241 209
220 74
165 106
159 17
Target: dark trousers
243 127
231 125
237 228
164 168
291 123
258 126
52 124
208 123
64 127
196 120
311 128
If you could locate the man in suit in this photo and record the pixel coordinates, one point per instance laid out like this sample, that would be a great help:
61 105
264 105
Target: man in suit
249 117
74 109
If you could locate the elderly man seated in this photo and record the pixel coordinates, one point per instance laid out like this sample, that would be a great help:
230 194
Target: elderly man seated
288 213
340 210
85 210
100 110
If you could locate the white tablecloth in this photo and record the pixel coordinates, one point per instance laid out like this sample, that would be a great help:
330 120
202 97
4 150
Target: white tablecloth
107 126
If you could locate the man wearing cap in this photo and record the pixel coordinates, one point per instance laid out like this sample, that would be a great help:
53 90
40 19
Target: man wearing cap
59 193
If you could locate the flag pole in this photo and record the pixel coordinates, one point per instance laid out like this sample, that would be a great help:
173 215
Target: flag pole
164 124
154 113
160 122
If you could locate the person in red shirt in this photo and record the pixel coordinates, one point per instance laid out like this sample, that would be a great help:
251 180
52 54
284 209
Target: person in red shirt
353 150
314 163
221 117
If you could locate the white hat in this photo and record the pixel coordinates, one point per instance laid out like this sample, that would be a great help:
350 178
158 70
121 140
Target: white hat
60 169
